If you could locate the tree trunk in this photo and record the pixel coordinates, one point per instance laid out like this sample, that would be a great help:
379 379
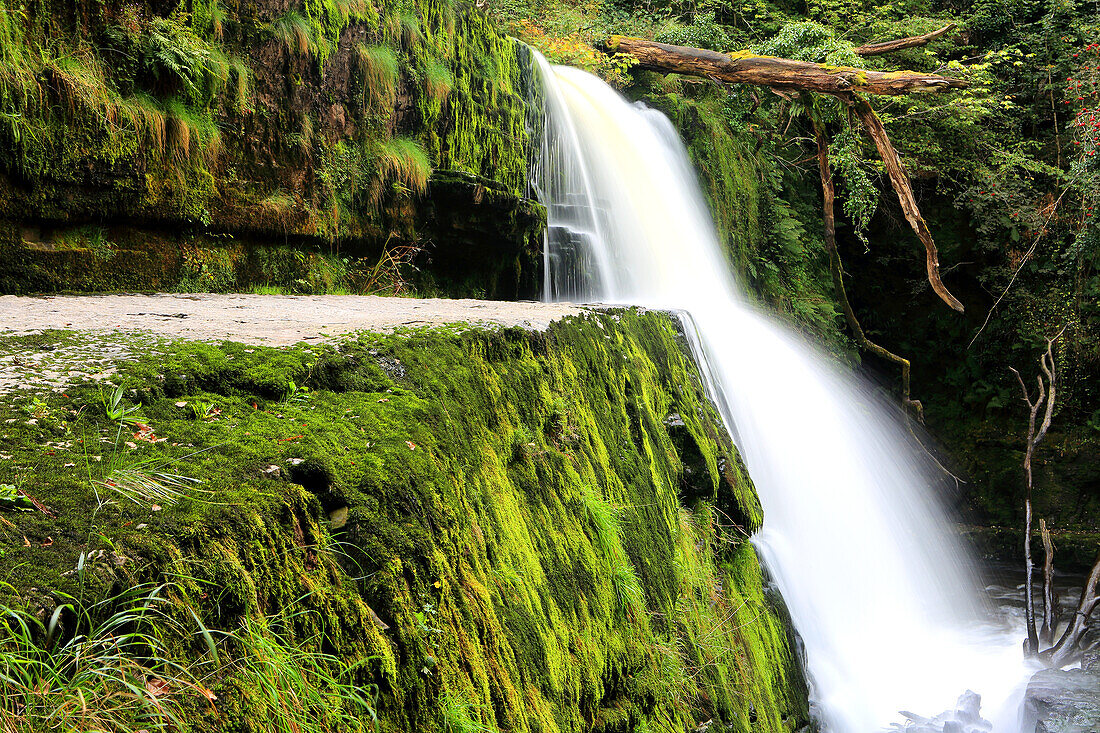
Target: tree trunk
875 49
743 67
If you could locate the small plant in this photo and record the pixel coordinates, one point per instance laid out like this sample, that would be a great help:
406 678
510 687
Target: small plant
117 411
295 392
37 408
203 410
457 717
12 498
146 481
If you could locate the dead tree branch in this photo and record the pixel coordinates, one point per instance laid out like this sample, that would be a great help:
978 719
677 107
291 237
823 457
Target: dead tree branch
1067 648
836 269
881 47
899 179
1044 397
787 78
1050 608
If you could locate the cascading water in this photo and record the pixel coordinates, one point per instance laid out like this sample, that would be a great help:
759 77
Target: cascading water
881 594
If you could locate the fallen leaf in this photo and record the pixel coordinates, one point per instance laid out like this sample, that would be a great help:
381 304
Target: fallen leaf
412 445
156 687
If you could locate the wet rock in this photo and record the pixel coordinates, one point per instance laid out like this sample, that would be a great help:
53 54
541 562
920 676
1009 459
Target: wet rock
1065 701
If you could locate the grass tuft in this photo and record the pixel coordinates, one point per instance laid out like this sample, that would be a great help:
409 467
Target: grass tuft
438 80
378 67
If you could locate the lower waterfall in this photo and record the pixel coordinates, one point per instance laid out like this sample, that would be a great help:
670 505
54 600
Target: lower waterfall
884 597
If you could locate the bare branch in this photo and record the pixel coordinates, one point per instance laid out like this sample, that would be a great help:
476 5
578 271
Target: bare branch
1067 648
875 49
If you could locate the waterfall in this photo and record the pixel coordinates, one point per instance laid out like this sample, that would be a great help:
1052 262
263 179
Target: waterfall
884 597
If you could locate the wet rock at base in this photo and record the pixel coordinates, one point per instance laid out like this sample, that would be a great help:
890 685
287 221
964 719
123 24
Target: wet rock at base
1065 701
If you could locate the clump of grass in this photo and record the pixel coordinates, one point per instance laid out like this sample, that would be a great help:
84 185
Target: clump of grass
80 86
457 717
404 162
605 518
438 80
99 667
239 83
189 136
147 118
377 65
296 34
297 689
410 29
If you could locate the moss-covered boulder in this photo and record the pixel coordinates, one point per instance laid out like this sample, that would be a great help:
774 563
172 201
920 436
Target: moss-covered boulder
511 530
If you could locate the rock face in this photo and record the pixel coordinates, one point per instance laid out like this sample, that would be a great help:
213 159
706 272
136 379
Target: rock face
500 528
1065 701
302 144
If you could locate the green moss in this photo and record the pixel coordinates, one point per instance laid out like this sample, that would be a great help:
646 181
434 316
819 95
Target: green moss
494 517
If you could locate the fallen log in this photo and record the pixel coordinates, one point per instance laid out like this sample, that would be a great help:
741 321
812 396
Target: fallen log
898 44
744 67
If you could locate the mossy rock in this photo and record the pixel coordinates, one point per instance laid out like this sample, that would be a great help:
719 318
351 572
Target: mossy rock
497 517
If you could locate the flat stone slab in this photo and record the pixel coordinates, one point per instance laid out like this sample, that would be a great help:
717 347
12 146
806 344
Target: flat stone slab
107 329
270 320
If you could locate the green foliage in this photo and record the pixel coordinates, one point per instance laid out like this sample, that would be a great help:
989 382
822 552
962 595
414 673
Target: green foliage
809 41
703 32
859 198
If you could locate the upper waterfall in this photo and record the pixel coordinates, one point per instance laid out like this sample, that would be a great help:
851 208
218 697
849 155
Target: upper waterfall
880 590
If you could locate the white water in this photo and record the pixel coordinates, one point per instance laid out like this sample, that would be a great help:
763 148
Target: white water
883 597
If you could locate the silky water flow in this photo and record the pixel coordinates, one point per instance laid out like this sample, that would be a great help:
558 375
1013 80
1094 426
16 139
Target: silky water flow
883 596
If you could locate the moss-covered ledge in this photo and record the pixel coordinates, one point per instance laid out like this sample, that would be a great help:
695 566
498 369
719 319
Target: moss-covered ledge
526 530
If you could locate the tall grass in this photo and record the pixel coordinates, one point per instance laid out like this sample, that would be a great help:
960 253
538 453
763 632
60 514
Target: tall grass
297 34
147 118
377 65
81 87
100 667
404 160
605 518
297 689
457 716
